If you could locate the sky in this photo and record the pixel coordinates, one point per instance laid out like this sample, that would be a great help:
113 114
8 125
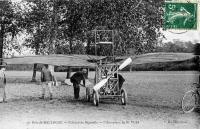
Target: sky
16 0
190 35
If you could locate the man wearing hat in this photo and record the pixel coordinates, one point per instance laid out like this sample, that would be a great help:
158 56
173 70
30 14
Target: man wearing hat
2 83
76 80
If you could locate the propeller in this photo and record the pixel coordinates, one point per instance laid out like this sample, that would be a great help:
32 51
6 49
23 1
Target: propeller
103 81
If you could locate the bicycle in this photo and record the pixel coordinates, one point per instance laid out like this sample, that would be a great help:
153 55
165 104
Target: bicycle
191 99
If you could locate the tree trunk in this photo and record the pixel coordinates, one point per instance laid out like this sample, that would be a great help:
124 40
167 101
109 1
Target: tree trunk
1 43
55 25
35 66
37 42
130 69
68 72
88 47
53 29
70 45
88 70
34 73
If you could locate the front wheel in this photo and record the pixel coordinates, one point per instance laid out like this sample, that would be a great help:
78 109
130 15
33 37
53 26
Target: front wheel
123 97
189 101
95 98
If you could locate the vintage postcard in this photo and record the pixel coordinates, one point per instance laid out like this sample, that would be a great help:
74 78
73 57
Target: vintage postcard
96 64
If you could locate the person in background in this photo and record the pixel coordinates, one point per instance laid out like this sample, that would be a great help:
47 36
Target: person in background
197 61
121 80
47 80
3 83
76 80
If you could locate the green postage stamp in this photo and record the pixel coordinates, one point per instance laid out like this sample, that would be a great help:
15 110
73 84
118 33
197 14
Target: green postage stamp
181 15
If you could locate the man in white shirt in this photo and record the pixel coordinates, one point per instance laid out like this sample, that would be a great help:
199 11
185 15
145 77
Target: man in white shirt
2 84
47 79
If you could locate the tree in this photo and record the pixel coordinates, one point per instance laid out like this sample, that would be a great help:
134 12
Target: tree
136 23
71 22
176 46
37 25
9 23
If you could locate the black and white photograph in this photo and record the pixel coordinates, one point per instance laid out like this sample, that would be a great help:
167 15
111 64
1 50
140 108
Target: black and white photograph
99 64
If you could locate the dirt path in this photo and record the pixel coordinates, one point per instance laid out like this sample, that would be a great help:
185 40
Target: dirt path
154 103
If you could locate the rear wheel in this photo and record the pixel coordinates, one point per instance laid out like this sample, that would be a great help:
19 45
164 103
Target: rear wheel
88 94
123 97
95 98
189 101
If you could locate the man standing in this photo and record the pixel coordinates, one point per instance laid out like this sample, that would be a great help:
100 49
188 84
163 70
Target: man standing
3 83
76 80
47 79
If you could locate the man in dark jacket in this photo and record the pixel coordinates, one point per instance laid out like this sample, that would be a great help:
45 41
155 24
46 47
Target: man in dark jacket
121 80
76 80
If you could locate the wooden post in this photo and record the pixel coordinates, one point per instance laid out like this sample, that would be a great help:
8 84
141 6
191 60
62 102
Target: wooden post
87 72
34 73
130 69
68 72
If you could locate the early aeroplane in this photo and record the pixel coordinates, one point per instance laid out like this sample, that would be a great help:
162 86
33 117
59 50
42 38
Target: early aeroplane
106 86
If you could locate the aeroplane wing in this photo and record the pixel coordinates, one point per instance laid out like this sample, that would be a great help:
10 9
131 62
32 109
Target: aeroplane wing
57 59
161 57
89 61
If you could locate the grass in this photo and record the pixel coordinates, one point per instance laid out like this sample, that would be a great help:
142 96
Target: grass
159 88
155 87
152 95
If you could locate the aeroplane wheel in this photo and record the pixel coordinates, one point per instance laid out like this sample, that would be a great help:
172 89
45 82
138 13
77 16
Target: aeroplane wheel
189 101
123 97
88 94
95 98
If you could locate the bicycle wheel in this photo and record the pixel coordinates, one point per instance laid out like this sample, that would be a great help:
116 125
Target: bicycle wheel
189 101
124 97
95 98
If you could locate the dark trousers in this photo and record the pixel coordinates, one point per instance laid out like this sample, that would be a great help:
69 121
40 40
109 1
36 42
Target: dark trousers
76 90
120 85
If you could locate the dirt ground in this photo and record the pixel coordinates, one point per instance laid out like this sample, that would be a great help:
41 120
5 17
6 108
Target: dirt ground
154 102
